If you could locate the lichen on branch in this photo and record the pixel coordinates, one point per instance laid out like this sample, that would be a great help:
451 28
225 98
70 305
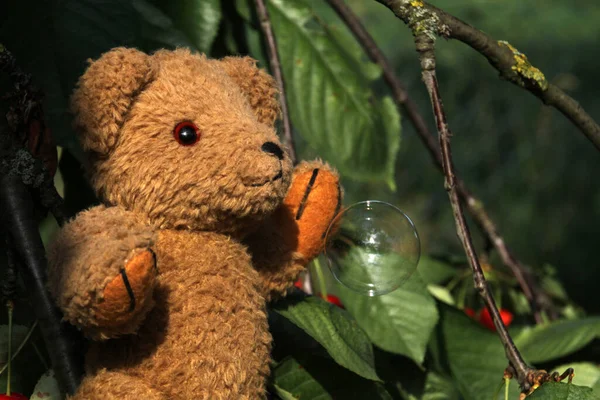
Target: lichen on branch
524 69
419 18
424 18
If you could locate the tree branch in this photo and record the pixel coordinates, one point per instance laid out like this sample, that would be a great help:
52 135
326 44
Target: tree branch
513 65
538 300
425 47
274 61
30 138
61 338
25 185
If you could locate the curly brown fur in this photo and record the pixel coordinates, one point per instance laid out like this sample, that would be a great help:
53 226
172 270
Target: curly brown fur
202 330
224 182
295 232
207 336
110 385
259 87
105 95
87 254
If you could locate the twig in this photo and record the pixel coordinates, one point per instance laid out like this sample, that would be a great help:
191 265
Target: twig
425 47
528 378
538 300
20 222
24 184
8 288
274 61
512 65
21 345
10 309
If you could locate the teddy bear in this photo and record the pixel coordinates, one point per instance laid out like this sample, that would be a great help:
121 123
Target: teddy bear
203 220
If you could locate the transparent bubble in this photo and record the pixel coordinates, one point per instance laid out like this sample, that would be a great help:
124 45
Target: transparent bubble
372 247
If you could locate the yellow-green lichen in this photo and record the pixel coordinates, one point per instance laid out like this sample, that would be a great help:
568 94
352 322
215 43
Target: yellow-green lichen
524 68
422 20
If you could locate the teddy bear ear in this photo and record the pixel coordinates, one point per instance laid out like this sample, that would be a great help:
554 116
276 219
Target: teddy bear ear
105 93
259 87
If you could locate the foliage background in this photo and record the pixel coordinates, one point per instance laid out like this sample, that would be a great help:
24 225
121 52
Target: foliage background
533 170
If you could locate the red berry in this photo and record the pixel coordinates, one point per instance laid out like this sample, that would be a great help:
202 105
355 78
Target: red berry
485 318
298 283
470 312
334 300
13 396
506 316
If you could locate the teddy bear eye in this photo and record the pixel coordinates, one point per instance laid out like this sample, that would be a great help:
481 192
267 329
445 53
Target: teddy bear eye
186 133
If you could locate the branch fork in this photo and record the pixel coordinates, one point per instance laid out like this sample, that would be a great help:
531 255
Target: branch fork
424 18
529 378
538 300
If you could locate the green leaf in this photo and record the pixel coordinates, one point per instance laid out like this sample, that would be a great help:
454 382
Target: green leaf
354 50
47 388
554 288
331 101
557 339
400 322
158 29
475 356
562 391
335 330
313 378
586 374
438 387
441 293
198 19
283 394
520 304
434 271
60 37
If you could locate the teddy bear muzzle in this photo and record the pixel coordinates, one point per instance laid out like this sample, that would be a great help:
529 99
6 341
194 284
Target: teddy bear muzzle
263 166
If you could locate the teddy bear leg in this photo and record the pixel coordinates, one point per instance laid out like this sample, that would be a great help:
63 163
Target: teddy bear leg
114 385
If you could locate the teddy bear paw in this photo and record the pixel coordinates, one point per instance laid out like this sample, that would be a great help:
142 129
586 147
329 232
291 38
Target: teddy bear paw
130 292
313 201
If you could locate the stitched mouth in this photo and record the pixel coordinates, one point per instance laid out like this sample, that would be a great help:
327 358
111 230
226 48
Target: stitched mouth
273 179
278 176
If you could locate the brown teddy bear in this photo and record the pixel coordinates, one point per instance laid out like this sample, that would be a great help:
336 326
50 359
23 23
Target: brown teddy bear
204 221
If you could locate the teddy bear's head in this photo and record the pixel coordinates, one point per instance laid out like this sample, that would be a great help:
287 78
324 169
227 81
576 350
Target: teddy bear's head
187 141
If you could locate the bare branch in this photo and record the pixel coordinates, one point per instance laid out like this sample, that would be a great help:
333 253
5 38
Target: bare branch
265 24
30 139
25 184
425 47
512 65
536 297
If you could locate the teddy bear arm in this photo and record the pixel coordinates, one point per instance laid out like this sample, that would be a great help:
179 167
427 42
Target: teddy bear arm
115 385
295 234
277 265
102 270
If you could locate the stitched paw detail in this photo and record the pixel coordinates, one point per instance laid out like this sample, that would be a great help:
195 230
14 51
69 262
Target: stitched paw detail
129 291
314 199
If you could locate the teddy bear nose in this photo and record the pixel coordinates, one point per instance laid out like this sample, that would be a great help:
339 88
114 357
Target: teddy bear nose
272 148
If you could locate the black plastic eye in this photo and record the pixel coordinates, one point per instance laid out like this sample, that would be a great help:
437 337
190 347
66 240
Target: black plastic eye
186 133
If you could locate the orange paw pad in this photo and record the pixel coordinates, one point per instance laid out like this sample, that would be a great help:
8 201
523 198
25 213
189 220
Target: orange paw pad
313 200
127 291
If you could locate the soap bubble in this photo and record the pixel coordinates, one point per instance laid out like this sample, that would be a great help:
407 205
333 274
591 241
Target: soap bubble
372 247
